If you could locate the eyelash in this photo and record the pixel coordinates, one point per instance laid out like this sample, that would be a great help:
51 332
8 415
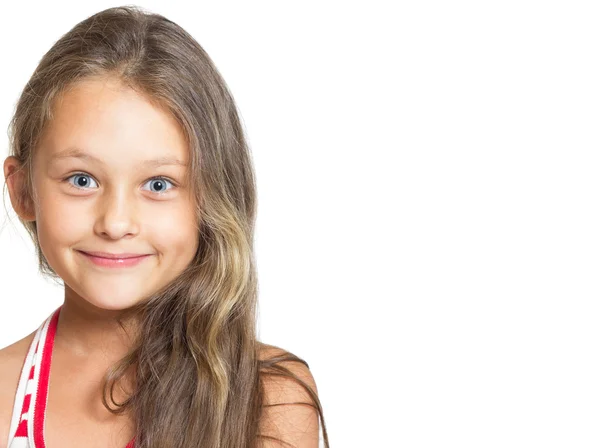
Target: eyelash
66 179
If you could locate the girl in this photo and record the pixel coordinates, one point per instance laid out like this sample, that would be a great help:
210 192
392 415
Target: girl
129 168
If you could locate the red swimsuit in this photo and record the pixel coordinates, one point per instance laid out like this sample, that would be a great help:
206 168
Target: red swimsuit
27 421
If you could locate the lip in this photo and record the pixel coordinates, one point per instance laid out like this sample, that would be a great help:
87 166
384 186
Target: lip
114 260
110 255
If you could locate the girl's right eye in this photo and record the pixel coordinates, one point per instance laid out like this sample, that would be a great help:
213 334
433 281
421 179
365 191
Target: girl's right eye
80 183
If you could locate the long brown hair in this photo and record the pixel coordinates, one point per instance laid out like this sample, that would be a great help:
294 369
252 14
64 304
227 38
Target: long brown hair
199 378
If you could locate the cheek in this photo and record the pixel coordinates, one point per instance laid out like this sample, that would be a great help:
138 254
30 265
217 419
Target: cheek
61 220
174 231
61 224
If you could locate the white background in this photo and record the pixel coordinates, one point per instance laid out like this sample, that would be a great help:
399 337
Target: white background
428 230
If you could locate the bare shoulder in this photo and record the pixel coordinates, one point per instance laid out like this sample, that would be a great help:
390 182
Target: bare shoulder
13 355
290 412
11 363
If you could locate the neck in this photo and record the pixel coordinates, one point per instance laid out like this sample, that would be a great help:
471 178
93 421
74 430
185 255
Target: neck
87 332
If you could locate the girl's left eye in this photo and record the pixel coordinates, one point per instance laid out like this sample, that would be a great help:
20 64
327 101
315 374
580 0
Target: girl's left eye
158 182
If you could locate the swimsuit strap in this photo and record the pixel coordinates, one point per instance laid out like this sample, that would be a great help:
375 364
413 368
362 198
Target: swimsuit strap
27 426
34 374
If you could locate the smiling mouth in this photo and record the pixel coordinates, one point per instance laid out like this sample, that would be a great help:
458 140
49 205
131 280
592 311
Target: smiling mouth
114 262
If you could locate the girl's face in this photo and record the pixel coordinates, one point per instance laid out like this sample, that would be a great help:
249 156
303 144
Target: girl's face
110 176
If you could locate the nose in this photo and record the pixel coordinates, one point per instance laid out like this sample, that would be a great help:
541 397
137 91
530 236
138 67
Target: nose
117 215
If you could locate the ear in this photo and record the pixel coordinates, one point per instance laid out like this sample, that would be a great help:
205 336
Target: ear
15 179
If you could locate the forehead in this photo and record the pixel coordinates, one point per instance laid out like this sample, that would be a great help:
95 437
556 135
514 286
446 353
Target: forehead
106 119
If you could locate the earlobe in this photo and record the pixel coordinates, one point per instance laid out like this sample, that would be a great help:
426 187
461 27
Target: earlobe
15 180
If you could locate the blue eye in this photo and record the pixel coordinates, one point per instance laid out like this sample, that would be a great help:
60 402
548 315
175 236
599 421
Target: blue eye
82 183
161 183
78 183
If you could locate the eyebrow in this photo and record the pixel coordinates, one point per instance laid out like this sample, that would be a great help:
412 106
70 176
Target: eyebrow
79 154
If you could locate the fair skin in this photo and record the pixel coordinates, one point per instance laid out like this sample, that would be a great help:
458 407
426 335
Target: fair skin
113 200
